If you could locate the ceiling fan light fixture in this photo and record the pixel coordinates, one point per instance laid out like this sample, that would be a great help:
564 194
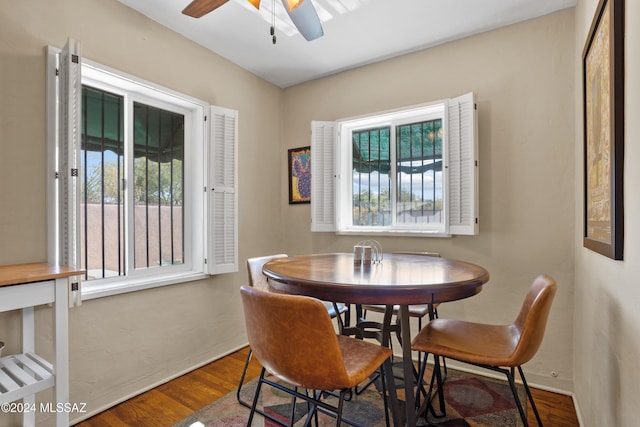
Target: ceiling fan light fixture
292 4
255 3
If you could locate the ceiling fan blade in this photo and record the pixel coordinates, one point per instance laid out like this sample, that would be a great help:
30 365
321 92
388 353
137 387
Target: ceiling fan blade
255 3
293 4
305 18
199 8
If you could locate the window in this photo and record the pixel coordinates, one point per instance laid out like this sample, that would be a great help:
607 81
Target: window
412 171
132 207
154 184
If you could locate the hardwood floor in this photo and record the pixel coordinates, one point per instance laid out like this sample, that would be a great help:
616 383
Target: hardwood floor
177 399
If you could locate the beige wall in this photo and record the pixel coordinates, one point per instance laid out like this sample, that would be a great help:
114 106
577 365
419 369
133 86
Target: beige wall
607 319
527 81
522 76
120 345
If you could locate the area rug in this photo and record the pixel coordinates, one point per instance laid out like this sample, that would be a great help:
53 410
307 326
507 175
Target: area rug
470 401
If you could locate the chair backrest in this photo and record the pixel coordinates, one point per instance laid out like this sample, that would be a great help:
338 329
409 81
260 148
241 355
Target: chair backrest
256 278
293 337
532 319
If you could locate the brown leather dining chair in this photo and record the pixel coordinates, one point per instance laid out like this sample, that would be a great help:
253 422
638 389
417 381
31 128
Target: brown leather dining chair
307 352
501 348
258 280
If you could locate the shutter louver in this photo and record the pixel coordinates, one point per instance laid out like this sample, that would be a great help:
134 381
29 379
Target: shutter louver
463 167
69 134
223 198
323 139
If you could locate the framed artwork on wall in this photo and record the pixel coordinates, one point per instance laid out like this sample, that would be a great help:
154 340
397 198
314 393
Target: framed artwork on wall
299 175
603 121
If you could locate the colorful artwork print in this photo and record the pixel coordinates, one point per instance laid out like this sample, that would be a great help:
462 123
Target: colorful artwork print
300 175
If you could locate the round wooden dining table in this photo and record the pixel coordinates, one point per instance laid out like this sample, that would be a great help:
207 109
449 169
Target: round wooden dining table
397 279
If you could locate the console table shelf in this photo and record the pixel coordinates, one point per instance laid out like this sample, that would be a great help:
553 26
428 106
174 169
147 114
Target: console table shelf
22 375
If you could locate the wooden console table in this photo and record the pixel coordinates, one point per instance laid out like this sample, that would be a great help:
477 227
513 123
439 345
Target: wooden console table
22 375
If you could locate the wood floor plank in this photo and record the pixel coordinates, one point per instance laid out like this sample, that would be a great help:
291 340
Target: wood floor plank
104 419
194 390
169 403
556 410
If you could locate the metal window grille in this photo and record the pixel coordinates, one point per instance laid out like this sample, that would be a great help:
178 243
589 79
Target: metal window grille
102 200
416 175
419 172
371 179
158 161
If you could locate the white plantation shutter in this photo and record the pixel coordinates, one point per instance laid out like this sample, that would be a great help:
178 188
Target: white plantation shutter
323 194
462 165
222 245
68 170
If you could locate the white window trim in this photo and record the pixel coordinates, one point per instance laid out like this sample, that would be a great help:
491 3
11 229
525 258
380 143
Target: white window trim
331 161
201 261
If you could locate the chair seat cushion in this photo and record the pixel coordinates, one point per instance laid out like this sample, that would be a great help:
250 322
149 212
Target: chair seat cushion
469 342
361 358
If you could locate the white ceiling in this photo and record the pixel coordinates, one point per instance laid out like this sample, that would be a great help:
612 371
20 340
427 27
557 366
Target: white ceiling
357 32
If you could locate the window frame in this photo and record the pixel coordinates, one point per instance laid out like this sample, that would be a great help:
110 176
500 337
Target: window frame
331 199
198 178
344 188
193 203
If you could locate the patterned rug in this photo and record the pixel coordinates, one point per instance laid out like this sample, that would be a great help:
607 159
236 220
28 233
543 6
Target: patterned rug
470 401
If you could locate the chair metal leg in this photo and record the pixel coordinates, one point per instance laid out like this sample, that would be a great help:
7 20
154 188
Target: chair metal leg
437 375
385 404
255 397
315 413
339 409
393 397
425 407
244 373
292 414
533 404
244 402
312 411
316 404
253 405
512 384
341 323
509 373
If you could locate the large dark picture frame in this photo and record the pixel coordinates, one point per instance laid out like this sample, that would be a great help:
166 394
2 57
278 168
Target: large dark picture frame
603 121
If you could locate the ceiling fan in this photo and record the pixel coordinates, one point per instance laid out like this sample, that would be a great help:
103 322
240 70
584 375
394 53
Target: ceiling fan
301 12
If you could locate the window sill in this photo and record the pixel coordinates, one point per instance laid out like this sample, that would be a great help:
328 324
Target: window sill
92 291
398 233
